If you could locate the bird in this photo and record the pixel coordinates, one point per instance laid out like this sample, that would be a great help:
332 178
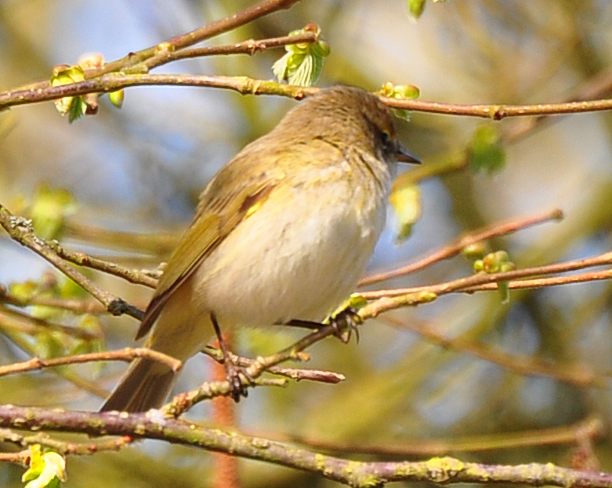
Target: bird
281 235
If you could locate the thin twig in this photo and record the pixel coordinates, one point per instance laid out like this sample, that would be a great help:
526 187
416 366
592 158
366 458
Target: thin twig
291 373
127 354
21 230
499 112
184 402
581 375
20 458
113 82
545 282
249 47
249 14
242 84
17 320
65 448
77 306
480 279
455 247
130 275
591 427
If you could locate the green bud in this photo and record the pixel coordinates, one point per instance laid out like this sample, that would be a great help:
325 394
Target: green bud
117 97
357 301
497 262
474 250
49 210
401 92
416 7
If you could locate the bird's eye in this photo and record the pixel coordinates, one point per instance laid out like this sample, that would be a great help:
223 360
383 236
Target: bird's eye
385 137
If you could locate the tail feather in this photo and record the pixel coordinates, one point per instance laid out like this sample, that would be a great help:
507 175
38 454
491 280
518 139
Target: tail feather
146 385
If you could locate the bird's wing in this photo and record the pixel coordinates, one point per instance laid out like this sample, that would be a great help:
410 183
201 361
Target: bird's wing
228 200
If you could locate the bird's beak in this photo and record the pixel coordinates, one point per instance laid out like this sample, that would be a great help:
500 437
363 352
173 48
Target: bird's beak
404 156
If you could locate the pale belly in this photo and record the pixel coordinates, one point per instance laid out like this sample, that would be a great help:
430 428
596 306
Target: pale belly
294 262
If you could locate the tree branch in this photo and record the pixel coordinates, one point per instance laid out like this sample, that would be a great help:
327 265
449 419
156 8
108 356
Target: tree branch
153 425
455 247
20 230
128 354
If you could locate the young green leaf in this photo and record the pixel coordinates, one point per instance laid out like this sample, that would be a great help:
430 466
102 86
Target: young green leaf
47 470
303 62
486 151
406 203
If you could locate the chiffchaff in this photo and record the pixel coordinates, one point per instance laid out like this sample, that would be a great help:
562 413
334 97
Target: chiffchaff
281 234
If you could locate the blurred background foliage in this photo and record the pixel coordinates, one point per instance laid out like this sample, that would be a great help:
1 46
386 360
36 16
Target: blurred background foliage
140 169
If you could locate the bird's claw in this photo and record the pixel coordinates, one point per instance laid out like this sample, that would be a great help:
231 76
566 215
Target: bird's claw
238 379
345 323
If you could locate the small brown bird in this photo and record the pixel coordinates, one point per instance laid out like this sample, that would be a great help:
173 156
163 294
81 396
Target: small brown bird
281 234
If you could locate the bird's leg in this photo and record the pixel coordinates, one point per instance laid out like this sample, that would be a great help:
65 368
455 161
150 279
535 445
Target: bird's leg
304 324
344 324
232 370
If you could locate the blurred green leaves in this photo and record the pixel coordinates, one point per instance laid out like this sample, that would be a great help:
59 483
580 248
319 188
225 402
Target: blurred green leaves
486 151
416 7
406 204
48 211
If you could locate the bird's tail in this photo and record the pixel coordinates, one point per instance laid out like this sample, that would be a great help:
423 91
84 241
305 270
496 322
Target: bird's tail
146 385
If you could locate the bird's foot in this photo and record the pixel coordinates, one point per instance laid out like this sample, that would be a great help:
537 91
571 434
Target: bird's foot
237 377
345 323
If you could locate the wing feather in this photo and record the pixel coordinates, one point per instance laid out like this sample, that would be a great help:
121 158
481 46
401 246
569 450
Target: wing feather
222 207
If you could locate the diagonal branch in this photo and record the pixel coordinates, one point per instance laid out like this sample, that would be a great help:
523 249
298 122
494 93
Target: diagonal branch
455 247
20 230
127 354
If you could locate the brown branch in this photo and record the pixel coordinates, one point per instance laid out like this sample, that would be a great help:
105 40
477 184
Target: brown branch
208 390
595 87
113 82
20 458
591 428
455 247
291 373
76 306
130 275
231 22
498 112
462 284
581 375
242 84
388 300
22 322
356 474
127 354
65 448
68 374
261 9
545 282
21 230
249 47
